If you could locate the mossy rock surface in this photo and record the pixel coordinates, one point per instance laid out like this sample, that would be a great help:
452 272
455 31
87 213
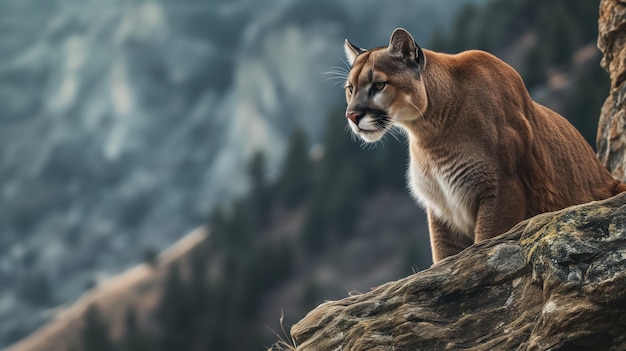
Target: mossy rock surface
554 282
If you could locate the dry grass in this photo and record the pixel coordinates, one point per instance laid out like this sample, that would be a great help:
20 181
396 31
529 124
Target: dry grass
285 341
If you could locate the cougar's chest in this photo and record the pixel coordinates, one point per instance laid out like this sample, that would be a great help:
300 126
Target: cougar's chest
442 188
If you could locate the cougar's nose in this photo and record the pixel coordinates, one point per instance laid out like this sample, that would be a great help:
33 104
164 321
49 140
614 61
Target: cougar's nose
354 116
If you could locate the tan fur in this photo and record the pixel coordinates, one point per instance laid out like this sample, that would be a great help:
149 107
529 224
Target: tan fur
483 154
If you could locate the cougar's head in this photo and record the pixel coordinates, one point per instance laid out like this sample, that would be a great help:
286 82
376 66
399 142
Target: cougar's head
384 86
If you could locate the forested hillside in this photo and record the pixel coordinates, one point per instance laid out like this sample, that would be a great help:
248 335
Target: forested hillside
340 209
551 43
122 122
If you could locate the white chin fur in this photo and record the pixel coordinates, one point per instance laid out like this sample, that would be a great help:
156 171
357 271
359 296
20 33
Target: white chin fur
368 135
371 136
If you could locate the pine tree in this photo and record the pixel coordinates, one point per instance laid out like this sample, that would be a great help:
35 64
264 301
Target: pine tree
439 41
295 180
200 298
260 196
218 226
344 200
561 35
343 173
241 226
463 30
134 339
95 333
173 313
313 233
535 67
590 92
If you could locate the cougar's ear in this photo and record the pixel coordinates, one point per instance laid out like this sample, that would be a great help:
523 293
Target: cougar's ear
352 51
403 45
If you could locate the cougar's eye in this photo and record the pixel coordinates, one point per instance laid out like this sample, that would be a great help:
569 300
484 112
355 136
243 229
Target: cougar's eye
378 86
349 87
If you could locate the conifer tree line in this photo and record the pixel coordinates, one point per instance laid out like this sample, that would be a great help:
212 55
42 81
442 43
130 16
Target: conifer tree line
556 29
200 311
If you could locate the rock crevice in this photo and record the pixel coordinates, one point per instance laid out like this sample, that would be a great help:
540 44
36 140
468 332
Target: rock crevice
611 139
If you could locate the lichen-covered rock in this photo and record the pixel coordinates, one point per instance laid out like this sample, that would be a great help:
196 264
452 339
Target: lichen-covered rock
611 138
554 282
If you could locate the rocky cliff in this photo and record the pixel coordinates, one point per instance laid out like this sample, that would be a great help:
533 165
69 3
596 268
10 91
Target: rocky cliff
554 282
611 139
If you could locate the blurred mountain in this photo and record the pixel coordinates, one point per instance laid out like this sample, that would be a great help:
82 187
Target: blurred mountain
124 122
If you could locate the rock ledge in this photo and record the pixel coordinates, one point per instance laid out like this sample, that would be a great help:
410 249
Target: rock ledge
554 282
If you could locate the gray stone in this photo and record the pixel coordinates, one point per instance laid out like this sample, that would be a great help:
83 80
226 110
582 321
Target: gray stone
554 282
611 139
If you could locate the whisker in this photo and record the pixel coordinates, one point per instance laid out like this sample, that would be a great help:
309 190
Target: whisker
383 141
344 73
342 79
397 134
345 62
335 74
394 133
338 80
353 136
338 74
368 146
340 69
416 108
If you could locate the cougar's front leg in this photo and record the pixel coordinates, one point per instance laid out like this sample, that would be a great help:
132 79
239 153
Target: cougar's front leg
445 241
499 212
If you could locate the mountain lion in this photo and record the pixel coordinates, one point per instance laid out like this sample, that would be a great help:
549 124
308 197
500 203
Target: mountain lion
483 154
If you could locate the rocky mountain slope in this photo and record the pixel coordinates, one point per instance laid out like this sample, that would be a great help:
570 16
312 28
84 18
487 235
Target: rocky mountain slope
139 287
351 266
611 136
124 122
164 175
